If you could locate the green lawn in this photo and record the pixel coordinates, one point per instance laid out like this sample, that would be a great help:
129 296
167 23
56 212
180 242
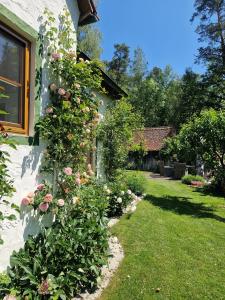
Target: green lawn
174 242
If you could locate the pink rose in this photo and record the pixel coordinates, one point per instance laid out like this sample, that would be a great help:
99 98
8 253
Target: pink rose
68 171
40 187
48 198
56 56
43 207
26 201
49 110
78 181
61 92
31 195
61 202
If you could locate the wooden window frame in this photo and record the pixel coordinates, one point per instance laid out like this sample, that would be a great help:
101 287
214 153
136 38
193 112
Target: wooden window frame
23 128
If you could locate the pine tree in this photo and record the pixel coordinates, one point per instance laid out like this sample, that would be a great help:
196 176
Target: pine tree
211 30
138 67
118 66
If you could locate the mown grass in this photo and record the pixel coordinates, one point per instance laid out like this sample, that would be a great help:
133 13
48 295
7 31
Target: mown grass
174 246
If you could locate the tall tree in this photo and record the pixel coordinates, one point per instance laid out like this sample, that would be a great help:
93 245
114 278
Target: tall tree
89 41
157 96
211 29
138 67
118 66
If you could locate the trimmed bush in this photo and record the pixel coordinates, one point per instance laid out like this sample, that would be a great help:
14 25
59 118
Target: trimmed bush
187 179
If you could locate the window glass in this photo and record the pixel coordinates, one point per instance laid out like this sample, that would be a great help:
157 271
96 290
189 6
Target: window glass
12 104
14 80
11 58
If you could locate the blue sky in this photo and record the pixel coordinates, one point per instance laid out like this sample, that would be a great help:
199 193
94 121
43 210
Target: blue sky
161 28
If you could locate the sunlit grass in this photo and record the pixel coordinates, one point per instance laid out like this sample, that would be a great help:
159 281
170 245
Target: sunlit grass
174 246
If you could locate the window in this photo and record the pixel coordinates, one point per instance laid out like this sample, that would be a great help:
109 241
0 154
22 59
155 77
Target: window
14 79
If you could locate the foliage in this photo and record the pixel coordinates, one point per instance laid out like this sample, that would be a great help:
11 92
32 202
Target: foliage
65 259
135 181
70 120
118 198
203 136
187 179
89 41
211 29
116 133
138 68
118 66
157 97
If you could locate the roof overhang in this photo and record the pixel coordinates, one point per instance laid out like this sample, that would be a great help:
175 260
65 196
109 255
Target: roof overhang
115 91
88 12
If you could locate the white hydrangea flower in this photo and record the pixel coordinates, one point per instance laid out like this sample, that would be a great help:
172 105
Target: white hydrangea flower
129 192
122 193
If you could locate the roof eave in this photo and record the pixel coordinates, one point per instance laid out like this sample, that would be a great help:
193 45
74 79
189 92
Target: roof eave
88 12
108 83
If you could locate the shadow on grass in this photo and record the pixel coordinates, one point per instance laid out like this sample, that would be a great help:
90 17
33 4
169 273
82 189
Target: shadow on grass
209 192
183 206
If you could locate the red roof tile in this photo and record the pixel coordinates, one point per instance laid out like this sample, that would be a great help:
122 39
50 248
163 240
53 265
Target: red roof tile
154 138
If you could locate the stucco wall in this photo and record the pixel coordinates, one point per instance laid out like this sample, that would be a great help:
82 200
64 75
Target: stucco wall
30 11
26 160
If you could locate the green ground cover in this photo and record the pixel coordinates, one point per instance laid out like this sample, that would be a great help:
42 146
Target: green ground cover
174 246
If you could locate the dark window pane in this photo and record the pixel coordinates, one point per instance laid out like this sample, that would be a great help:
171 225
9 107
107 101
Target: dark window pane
11 104
11 57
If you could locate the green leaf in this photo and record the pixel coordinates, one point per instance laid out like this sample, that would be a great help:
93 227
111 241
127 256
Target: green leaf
16 207
11 218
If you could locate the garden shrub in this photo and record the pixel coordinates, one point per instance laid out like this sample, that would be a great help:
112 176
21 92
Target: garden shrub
135 181
116 133
187 179
65 259
118 197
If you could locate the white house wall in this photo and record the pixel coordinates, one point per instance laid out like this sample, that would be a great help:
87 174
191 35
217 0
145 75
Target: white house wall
26 160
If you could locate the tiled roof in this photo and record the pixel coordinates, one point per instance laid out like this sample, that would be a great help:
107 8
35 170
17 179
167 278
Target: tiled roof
153 138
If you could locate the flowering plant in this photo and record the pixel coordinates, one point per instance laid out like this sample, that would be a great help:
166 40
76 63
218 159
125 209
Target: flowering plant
70 120
118 197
